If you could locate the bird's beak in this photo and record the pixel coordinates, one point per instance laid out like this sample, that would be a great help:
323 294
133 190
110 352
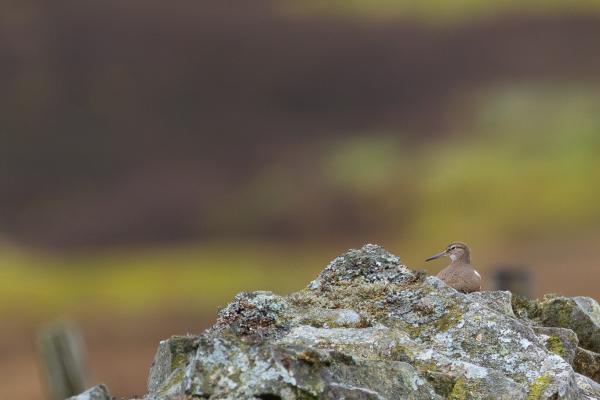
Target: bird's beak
438 255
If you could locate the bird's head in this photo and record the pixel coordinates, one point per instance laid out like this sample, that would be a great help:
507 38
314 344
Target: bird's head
457 251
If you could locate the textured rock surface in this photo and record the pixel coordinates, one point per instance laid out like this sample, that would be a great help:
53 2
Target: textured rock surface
587 363
581 314
590 389
560 341
368 327
98 392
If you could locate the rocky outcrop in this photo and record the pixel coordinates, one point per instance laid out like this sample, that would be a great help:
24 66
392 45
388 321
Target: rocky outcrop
368 327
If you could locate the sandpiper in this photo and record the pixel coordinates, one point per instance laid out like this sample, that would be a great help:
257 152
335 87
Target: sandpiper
460 274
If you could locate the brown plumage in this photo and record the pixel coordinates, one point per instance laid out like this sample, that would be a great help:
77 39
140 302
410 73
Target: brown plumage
460 274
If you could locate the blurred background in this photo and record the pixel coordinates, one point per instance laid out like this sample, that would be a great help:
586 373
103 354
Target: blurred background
158 157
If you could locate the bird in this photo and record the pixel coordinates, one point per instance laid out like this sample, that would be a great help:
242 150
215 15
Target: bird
460 274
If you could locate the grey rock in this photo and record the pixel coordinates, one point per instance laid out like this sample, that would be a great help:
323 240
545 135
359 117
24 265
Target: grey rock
367 327
98 392
590 390
337 318
500 301
229 367
581 314
168 368
587 363
561 341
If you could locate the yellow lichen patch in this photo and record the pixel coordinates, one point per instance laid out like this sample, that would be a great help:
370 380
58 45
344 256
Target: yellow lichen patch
459 390
555 345
537 387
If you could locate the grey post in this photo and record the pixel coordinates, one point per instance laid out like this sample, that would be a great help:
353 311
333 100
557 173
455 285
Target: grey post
60 350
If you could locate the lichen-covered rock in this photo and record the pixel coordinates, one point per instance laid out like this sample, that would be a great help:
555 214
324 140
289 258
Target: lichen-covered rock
587 363
500 301
368 327
580 314
170 361
228 367
98 392
560 341
590 390
525 308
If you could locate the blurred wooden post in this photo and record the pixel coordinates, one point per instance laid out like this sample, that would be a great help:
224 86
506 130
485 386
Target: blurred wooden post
61 353
518 280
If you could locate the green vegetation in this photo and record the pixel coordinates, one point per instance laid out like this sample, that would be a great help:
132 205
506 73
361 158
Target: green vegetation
145 280
436 10
529 167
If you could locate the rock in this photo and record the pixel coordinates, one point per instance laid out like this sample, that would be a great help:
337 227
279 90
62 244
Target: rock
580 314
368 327
587 363
169 362
226 366
560 341
525 308
590 390
98 392
500 301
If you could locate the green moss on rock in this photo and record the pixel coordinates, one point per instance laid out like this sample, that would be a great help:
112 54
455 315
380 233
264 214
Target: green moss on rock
587 363
555 345
180 347
524 307
459 391
556 312
449 319
175 380
537 387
